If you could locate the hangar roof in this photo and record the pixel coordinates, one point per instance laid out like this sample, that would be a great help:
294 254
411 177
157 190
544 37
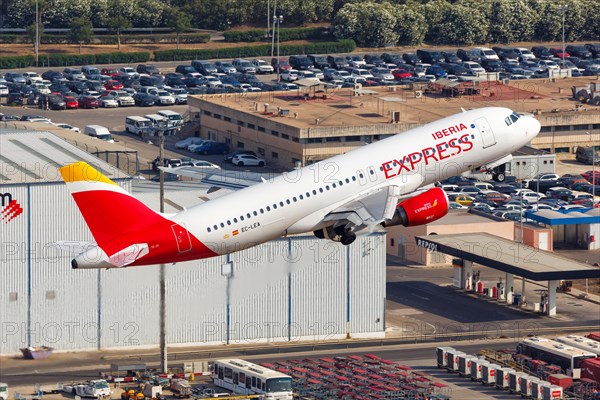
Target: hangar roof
34 157
508 256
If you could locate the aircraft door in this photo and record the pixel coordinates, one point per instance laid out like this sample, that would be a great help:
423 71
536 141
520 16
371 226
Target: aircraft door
182 238
487 135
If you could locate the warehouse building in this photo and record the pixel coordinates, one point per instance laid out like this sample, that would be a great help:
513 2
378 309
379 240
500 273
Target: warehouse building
295 288
308 125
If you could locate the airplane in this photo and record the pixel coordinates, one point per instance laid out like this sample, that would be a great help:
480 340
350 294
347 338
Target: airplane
369 188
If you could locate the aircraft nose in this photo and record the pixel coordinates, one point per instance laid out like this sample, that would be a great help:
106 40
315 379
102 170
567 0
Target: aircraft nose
533 126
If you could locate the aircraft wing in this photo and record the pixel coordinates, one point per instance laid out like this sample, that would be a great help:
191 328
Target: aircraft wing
376 206
218 178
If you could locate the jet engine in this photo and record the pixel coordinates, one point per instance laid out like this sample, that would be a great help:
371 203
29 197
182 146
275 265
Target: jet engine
420 209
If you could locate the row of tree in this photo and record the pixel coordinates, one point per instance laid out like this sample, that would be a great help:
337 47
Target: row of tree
372 23
378 24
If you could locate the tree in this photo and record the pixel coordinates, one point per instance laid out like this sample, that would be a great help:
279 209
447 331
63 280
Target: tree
179 21
411 25
81 31
462 25
117 19
511 21
369 24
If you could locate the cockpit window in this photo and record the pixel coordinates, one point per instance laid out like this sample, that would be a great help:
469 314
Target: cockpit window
512 118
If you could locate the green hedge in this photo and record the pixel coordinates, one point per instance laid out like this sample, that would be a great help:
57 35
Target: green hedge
286 34
341 46
8 39
61 60
111 39
11 62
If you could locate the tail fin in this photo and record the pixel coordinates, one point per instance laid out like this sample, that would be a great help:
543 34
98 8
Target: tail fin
108 209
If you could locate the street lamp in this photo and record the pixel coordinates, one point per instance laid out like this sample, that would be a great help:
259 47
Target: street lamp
277 20
593 168
563 8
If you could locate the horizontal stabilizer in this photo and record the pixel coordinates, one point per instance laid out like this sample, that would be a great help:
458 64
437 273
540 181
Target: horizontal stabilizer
129 255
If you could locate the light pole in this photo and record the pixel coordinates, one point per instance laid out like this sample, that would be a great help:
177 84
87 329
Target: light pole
593 168
277 20
563 8
37 35
273 33
164 366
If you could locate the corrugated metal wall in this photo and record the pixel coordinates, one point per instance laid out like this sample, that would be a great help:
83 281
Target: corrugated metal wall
286 289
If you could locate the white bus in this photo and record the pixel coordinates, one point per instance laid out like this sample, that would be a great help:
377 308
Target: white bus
137 125
553 352
580 342
243 377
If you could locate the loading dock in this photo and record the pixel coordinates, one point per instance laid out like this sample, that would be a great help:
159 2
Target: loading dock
507 256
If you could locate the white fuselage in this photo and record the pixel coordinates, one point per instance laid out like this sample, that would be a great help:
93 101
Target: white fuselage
297 201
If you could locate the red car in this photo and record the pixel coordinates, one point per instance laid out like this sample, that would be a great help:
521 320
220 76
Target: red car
109 72
113 85
401 74
89 102
282 63
592 175
556 52
71 102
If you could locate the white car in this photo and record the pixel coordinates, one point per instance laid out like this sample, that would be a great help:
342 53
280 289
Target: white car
289 75
213 81
262 67
181 95
202 164
548 64
109 102
69 127
162 96
129 72
311 76
184 143
242 160
382 73
3 90
31 77
318 73
473 67
361 73
123 98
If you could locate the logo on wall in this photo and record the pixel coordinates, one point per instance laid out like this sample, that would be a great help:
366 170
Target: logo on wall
11 209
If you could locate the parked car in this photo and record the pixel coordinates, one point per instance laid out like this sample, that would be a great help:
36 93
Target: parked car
242 160
184 143
262 67
587 155
88 102
109 102
230 156
289 75
144 99
212 148
149 69
53 101
578 51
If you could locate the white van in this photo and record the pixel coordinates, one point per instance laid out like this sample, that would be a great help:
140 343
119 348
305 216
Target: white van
99 132
158 122
138 125
175 119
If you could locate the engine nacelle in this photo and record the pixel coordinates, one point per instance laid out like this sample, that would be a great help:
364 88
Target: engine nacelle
421 209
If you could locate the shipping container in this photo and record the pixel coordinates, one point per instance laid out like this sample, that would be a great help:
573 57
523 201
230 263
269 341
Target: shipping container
442 356
502 377
452 361
464 364
551 392
590 369
488 373
561 380
476 367
536 389
514 381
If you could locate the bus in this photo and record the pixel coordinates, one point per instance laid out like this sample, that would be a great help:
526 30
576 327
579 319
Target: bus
580 342
553 352
243 377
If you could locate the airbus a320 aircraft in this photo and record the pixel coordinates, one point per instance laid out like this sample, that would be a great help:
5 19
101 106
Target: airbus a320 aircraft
365 189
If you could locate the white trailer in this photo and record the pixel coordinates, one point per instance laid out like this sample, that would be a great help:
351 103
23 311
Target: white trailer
97 388
3 391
